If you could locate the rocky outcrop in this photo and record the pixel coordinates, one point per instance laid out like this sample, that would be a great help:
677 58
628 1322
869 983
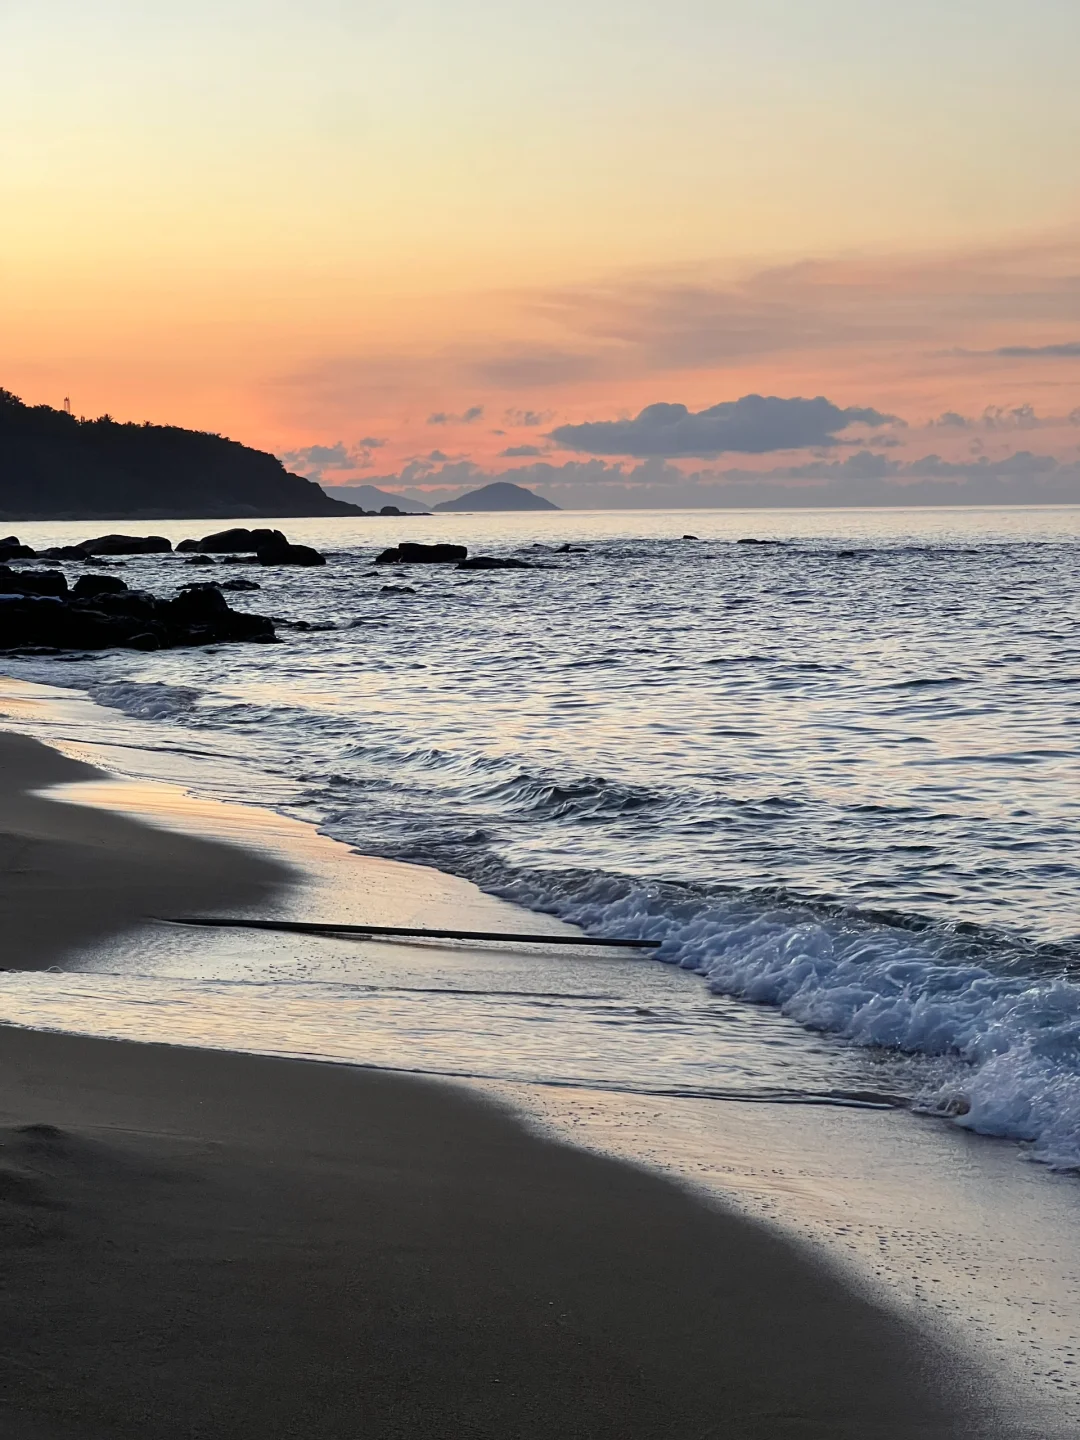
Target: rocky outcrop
12 548
280 552
38 611
266 547
410 553
237 541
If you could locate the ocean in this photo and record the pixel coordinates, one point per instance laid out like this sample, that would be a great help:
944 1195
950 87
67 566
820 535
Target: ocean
828 758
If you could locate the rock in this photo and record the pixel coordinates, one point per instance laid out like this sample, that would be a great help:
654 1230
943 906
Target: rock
236 541
239 560
32 582
200 560
571 550
125 545
397 590
61 552
286 554
493 562
410 553
88 585
12 548
689 537
387 510
126 618
199 603
239 583
752 541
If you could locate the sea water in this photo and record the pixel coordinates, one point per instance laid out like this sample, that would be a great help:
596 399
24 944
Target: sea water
828 759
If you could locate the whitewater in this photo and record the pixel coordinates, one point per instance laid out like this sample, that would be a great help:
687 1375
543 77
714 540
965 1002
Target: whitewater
828 759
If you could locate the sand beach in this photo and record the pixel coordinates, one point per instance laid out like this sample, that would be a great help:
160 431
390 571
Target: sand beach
204 1243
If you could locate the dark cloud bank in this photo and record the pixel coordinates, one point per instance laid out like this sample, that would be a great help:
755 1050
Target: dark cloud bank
863 478
753 425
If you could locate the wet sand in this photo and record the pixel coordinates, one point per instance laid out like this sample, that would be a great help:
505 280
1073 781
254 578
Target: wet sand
197 1243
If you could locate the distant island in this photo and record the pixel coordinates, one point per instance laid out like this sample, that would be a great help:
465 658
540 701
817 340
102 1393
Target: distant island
501 495
372 499
56 467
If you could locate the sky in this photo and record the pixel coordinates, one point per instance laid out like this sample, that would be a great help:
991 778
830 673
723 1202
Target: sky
423 244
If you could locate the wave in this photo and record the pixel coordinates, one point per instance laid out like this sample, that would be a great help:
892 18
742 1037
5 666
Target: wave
146 700
1010 1037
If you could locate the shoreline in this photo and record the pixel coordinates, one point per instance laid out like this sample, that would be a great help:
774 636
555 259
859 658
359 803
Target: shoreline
498 1284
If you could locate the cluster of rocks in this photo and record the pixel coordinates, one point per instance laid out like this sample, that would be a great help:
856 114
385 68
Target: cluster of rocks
39 610
264 547
409 553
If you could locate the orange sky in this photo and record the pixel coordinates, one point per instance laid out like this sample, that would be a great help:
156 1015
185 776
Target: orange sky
309 226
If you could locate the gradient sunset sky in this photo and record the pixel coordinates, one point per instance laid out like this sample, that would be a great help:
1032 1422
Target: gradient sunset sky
420 242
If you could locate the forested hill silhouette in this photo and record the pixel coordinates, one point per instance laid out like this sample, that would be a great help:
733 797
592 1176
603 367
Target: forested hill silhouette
56 467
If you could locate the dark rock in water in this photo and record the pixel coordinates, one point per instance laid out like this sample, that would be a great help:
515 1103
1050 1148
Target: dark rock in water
62 552
32 582
397 590
752 541
87 585
199 603
125 545
285 554
236 541
391 510
12 548
689 537
239 583
93 619
239 560
200 560
493 562
411 553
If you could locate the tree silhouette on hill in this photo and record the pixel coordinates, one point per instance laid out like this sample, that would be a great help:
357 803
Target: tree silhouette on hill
55 466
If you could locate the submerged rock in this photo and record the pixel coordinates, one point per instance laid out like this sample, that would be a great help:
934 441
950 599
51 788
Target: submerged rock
494 562
12 548
412 553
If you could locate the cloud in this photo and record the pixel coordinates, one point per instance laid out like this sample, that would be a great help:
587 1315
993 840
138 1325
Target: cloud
1070 350
528 418
702 320
753 425
519 452
467 417
313 461
865 478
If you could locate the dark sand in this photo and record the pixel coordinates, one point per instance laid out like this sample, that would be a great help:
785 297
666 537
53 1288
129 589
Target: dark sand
69 874
213 1245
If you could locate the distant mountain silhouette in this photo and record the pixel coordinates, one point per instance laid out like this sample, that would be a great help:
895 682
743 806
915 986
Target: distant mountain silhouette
370 497
501 495
55 467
